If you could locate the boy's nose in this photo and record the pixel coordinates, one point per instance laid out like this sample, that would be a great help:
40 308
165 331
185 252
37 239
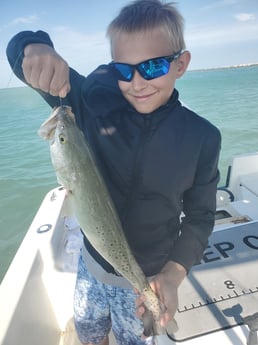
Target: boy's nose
138 82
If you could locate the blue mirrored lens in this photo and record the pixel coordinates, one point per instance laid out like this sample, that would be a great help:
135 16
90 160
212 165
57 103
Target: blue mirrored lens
149 69
153 68
125 71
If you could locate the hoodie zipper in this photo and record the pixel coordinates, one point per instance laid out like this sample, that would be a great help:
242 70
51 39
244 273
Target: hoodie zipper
137 169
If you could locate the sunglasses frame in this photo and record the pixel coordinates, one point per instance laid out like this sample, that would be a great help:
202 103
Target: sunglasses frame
139 68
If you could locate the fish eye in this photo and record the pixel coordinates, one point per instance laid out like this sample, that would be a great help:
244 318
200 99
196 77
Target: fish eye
62 139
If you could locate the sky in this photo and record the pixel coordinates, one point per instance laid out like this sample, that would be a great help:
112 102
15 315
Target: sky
217 32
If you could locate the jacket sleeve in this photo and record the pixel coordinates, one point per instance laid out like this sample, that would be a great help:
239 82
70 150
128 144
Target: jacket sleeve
199 204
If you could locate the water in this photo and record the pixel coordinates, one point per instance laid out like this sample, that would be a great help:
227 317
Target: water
25 170
226 97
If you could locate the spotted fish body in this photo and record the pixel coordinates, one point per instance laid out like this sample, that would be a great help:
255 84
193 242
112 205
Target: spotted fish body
76 170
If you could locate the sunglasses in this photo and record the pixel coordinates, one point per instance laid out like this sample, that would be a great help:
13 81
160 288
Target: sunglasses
148 69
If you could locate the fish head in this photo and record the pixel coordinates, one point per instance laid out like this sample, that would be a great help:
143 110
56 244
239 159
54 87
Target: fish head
64 137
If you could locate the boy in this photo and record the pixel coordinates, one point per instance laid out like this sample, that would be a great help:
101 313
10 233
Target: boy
158 159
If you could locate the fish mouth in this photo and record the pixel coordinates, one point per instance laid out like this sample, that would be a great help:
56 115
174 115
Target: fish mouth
60 116
65 112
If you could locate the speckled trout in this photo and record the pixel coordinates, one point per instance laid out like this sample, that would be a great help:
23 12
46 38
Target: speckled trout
77 171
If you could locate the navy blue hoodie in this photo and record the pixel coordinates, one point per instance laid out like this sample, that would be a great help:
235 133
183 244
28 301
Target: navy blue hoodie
157 166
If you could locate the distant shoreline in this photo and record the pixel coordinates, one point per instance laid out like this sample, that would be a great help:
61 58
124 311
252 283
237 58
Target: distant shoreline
224 67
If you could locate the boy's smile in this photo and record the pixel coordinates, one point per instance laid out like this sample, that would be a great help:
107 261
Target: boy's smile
147 95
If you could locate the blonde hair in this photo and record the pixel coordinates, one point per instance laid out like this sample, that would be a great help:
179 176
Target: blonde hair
145 15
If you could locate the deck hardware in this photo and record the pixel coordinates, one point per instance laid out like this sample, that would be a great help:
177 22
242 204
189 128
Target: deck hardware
44 228
53 196
252 322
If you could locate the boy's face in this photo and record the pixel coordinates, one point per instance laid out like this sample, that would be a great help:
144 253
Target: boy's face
147 95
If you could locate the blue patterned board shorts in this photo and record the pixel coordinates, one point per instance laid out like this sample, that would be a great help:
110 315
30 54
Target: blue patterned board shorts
99 307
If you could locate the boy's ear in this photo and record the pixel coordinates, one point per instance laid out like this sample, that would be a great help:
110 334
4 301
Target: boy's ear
182 63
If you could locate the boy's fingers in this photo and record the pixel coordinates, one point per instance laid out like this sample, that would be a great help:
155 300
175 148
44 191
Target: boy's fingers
139 304
44 80
59 85
166 317
140 311
140 300
65 90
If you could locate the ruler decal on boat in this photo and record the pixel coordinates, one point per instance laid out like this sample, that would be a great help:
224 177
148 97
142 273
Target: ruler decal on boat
223 289
216 300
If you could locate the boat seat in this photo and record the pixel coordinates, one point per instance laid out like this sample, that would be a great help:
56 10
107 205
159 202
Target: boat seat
250 182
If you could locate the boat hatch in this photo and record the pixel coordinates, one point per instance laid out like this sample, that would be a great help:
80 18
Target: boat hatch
222 291
224 217
222 214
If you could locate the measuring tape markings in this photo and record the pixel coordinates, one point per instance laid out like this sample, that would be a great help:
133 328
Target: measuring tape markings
208 301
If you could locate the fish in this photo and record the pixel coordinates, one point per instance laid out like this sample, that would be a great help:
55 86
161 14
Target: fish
77 171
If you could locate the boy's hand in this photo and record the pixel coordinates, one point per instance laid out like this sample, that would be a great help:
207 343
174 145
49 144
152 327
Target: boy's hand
44 69
165 285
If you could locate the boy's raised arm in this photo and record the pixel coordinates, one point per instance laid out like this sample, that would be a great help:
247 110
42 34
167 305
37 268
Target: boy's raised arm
34 60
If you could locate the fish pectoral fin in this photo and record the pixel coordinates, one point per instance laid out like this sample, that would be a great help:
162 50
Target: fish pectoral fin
69 192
